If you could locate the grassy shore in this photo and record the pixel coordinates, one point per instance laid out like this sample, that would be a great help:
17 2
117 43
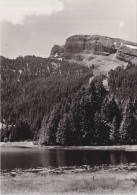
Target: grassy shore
100 182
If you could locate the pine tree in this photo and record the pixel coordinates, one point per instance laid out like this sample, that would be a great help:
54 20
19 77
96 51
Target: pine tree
49 126
113 135
128 128
110 109
74 116
63 130
84 122
101 93
102 129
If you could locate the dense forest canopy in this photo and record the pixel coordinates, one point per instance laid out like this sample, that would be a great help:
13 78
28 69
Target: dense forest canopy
123 82
52 101
31 86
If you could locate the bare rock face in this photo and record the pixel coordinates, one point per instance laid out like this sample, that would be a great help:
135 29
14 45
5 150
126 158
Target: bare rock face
57 50
97 45
75 44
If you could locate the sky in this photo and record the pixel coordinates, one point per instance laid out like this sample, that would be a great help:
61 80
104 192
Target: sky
32 27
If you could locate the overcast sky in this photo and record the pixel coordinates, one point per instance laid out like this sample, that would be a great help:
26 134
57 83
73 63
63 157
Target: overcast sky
32 27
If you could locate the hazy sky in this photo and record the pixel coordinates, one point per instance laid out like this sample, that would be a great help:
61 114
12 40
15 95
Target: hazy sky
32 27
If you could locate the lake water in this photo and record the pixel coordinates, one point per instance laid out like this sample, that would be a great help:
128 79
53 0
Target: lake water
25 158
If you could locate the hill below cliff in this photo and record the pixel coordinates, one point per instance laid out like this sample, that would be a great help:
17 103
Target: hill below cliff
84 94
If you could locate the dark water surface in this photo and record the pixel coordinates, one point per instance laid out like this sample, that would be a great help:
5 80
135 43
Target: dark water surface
34 158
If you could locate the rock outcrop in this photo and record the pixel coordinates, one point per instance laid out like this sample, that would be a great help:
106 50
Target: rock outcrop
57 50
84 48
95 44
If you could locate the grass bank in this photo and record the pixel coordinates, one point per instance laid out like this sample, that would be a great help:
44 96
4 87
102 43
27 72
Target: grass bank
100 182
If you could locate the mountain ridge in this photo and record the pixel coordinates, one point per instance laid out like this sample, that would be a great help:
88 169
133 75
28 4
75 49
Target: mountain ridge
90 49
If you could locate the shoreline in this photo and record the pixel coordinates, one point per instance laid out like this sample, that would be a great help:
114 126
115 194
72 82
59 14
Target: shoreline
71 169
31 145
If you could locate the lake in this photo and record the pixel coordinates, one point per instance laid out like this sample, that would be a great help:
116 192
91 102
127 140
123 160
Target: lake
26 158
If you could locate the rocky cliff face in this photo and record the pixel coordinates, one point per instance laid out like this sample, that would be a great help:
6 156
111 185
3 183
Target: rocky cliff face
95 44
90 49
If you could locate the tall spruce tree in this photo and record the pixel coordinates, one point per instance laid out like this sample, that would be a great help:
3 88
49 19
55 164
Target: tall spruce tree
62 133
84 121
49 126
114 132
101 130
128 128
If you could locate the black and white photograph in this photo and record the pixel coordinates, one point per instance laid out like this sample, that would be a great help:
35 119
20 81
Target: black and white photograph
68 98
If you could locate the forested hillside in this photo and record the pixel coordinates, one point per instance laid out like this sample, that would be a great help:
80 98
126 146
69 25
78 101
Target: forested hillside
93 117
31 86
123 82
53 102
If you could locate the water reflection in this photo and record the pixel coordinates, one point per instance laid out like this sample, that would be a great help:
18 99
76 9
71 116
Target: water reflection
60 157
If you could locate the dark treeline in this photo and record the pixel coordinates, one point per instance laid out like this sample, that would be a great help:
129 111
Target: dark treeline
52 101
93 117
